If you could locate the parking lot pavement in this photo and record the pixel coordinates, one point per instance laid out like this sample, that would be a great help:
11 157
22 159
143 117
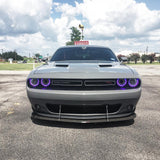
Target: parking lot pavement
20 138
147 69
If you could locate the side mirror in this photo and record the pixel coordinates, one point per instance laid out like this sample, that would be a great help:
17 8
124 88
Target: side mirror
123 59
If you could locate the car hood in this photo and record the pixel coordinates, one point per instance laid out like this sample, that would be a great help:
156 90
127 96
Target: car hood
84 71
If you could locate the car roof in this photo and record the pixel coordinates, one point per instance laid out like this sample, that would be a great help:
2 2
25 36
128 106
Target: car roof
90 46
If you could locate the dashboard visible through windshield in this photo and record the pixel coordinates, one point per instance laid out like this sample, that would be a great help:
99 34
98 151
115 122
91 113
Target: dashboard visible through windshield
84 53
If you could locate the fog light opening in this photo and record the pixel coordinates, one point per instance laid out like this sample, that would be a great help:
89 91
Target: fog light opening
33 107
130 107
37 106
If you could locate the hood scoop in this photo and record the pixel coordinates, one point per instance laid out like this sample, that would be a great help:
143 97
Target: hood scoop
105 65
61 65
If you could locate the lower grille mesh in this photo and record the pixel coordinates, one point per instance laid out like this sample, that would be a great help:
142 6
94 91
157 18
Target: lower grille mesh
83 109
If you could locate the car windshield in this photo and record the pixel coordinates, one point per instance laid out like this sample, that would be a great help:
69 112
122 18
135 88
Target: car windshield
84 53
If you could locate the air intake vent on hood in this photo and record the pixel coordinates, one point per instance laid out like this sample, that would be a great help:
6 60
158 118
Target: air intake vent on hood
61 65
105 65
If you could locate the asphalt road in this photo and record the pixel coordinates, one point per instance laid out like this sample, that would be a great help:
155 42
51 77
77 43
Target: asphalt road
20 138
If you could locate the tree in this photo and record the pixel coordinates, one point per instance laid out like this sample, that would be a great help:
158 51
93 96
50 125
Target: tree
69 43
75 36
37 55
128 59
11 54
135 57
144 58
159 59
151 57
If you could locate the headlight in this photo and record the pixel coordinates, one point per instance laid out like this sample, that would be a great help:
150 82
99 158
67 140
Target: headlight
45 82
133 82
34 82
121 82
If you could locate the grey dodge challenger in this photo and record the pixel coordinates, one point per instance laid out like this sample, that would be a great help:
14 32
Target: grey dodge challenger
84 84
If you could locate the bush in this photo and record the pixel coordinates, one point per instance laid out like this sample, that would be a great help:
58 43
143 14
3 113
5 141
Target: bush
135 57
151 57
11 54
144 58
159 59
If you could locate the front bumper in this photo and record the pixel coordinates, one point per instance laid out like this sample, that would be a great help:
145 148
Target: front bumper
60 97
68 95
84 119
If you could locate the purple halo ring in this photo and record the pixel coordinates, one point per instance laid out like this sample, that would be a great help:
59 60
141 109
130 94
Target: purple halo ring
133 85
45 85
32 84
122 85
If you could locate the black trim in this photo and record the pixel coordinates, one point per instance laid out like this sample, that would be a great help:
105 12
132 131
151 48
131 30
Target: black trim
83 84
84 119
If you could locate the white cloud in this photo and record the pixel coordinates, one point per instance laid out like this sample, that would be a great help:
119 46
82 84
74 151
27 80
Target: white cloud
66 9
124 52
119 24
49 29
115 18
25 44
28 25
24 16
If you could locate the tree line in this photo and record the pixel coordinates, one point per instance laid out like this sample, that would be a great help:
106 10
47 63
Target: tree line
11 54
15 56
136 57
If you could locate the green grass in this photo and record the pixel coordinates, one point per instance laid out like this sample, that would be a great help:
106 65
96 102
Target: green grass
154 63
28 67
30 61
17 67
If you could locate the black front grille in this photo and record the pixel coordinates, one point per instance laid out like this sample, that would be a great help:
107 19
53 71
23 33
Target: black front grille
53 108
82 84
76 84
66 83
85 83
83 109
99 82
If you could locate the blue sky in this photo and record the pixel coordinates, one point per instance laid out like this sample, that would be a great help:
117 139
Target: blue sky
71 2
40 26
151 4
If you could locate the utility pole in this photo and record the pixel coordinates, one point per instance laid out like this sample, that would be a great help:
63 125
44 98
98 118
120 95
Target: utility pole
15 55
4 55
81 27
147 50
